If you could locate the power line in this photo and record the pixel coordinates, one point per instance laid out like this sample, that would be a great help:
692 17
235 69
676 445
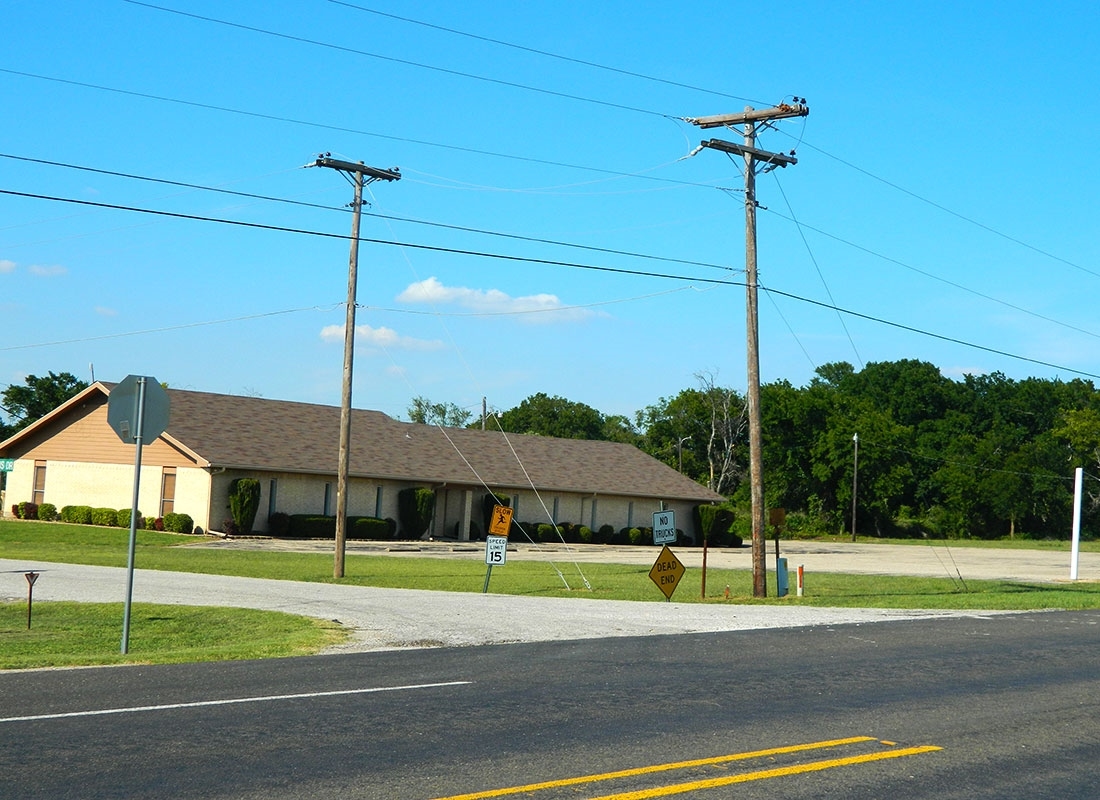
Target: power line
441 225
182 326
940 336
545 53
953 213
551 262
325 235
802 226
403 61
344 129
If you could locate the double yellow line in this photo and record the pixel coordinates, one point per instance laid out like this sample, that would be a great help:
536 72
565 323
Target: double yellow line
711 783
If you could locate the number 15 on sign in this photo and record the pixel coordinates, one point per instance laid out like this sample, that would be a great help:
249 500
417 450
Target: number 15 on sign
496 554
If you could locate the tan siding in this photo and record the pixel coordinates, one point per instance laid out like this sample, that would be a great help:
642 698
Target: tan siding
86 437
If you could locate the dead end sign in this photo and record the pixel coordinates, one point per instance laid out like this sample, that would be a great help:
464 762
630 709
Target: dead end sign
667 571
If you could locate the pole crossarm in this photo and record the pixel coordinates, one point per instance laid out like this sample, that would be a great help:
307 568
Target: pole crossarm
778 159
373 173
781 111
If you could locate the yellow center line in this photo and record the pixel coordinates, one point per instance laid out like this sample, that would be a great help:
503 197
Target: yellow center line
778 772
628 773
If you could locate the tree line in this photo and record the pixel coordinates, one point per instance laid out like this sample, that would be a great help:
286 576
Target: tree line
984 457
981 457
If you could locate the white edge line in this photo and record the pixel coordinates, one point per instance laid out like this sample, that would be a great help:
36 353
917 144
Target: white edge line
231 701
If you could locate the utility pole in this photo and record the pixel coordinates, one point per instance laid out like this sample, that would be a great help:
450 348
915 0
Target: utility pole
755 159
359 175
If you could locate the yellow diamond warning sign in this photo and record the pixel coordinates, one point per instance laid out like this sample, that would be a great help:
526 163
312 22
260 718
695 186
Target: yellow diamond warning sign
666 572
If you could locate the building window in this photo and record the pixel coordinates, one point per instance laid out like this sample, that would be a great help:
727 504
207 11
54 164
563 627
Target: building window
556 501
38 495
630 515
167 491
378 502
328 499
592 524
272 497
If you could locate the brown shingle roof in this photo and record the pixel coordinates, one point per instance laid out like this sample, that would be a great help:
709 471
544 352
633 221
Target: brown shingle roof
256 433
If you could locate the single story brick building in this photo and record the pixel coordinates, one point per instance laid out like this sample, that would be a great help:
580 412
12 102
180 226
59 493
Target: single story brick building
73 457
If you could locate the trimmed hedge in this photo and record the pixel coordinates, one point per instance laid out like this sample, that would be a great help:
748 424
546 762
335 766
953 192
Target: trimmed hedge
278 524
79 515
108 517
122 518
371 528
47 512
316 526
311 526
178 523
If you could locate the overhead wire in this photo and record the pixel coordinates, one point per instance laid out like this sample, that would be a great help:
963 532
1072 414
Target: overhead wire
375 215
933 276
551 262
402 61
817 267
345 129
546 53
472 375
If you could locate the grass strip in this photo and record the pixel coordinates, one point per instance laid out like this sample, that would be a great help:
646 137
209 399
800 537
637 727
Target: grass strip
66 634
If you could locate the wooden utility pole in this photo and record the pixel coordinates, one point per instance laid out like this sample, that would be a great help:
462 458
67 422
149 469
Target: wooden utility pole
361 175
755 159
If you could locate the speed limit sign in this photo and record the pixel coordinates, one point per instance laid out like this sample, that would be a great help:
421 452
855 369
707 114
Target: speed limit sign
496 550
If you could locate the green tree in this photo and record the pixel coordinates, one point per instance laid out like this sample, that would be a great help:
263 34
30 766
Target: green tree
38 397
543 415
446 415
701 432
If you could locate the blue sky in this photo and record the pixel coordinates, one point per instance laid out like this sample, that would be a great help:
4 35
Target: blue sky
945 183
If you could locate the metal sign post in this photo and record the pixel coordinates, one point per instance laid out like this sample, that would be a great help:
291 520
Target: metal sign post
31 578
137 409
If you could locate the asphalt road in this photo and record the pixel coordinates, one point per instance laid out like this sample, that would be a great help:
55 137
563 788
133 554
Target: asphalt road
1004 707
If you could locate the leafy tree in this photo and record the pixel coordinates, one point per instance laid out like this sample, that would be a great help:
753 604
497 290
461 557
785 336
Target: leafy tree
543 415
28 403
446 415
701 432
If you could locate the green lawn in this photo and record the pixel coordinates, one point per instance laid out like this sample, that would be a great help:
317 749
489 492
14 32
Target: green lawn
107 546
79 634
70 633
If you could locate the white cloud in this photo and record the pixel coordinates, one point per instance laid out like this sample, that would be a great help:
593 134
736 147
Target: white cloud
387 338
47 271
103 311
533 307
6 266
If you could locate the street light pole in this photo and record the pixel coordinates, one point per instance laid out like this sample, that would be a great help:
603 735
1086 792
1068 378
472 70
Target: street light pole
680 452
361 175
